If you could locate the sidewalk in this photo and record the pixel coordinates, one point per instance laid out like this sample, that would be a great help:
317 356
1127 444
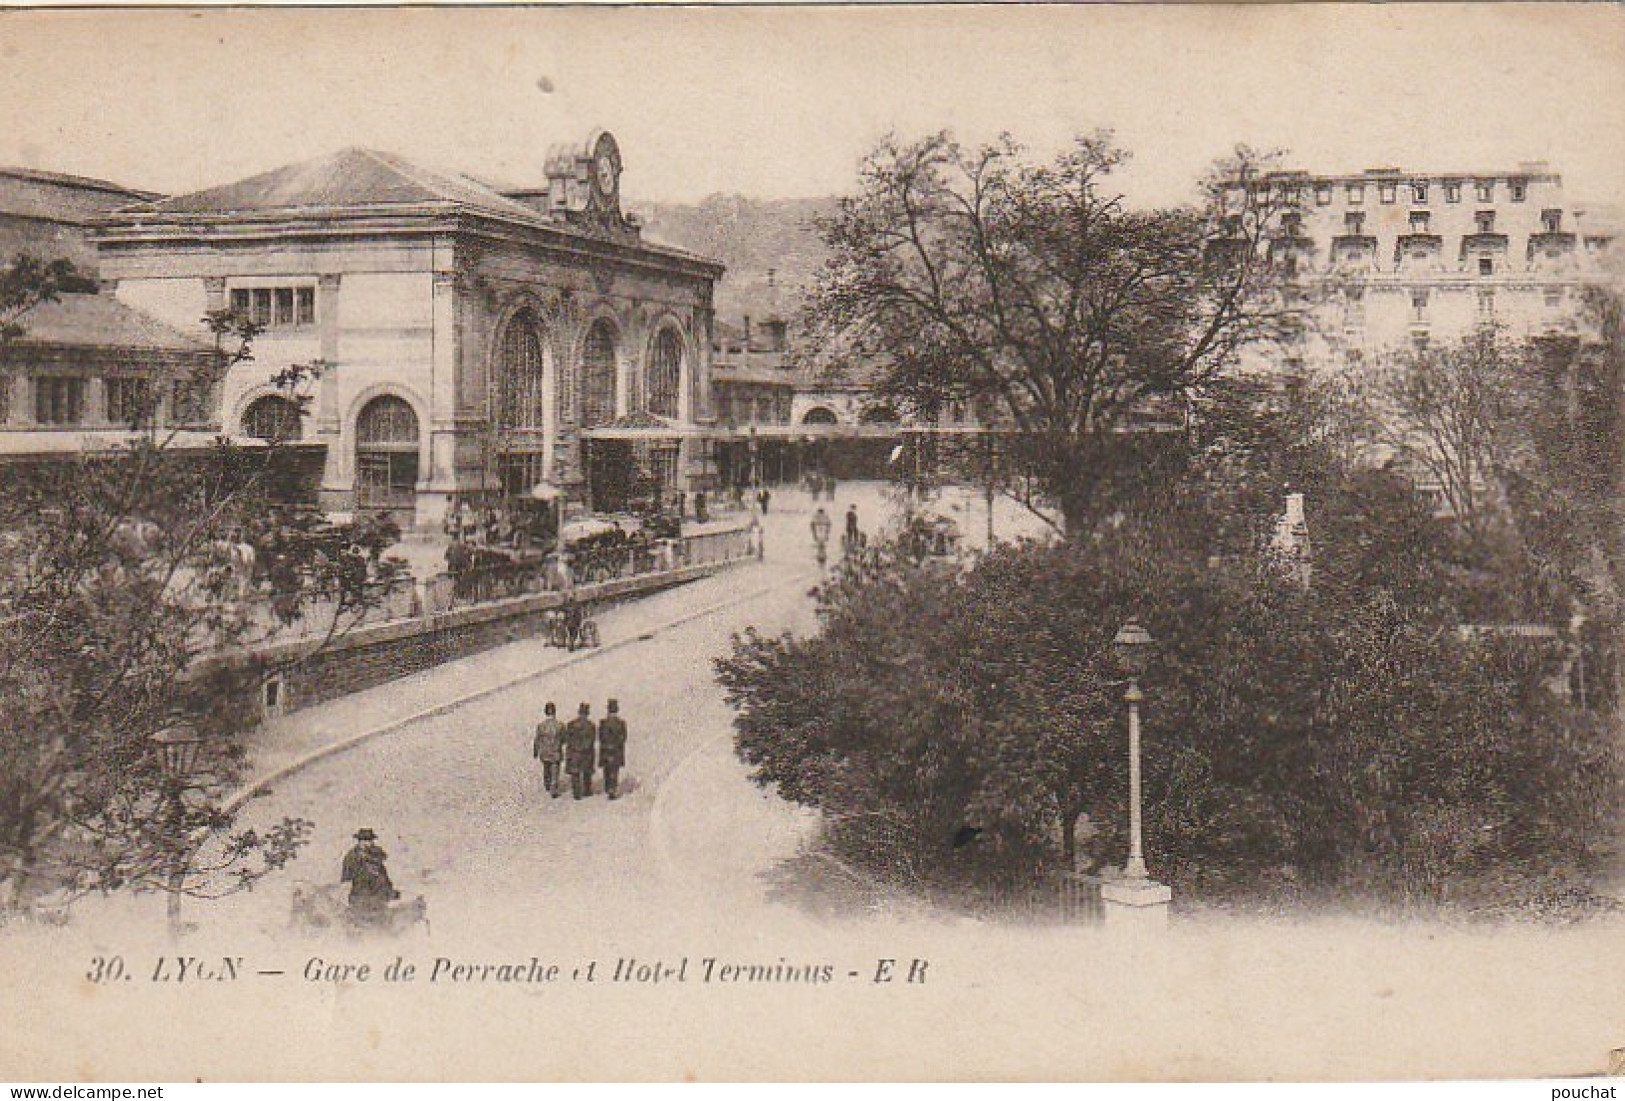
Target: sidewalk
287 742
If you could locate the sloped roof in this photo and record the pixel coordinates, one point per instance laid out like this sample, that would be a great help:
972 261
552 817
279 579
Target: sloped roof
54 196
101 321
349 178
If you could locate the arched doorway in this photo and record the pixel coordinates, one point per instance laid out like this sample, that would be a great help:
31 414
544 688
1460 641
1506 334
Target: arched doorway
521 406
386 456
273 417
819 414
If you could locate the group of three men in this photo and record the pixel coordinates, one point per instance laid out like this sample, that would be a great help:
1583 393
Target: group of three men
582 748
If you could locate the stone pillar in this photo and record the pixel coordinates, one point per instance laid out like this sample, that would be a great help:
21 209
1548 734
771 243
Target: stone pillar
338 473
1133 903
442 456
95 411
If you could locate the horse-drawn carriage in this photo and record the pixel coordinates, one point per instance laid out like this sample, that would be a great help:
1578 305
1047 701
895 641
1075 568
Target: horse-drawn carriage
319 908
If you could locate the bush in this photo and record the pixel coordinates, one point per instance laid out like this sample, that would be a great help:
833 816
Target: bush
968 726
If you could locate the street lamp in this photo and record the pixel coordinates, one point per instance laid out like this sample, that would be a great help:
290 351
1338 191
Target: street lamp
177 748
1133 645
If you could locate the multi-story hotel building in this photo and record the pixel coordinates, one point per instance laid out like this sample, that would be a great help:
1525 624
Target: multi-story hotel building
1403 258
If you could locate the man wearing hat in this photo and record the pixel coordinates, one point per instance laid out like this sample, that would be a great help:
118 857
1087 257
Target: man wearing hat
580 739
612 748
364 870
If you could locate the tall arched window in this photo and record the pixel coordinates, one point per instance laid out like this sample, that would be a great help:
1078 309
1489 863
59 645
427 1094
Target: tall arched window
598 368
819 414
273 417
664 375
520 369
386 454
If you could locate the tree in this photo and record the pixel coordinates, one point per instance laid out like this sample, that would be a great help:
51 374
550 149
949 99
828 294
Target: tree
1340 738
978 275
120 572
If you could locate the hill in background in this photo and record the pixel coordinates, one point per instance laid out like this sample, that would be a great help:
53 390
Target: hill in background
753 237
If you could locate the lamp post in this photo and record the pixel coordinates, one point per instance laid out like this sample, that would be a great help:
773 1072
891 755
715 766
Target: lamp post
1135 899
177 748
1133 645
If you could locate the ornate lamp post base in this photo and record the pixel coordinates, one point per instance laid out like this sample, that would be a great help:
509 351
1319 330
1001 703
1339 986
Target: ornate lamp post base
1136 903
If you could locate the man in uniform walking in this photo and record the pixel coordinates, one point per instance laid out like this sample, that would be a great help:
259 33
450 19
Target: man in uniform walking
580 739
612 748
548 748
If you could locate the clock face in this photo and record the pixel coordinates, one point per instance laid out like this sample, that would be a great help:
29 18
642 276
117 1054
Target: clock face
606 173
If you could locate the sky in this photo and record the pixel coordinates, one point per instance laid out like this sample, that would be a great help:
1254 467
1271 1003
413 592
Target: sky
783 102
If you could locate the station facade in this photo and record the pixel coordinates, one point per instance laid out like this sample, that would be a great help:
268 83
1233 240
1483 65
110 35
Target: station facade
472 342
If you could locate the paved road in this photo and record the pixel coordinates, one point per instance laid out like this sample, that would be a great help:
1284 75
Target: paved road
693 863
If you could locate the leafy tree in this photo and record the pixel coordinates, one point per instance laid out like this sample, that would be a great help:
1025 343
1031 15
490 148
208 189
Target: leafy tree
1344 737
120 572
976 275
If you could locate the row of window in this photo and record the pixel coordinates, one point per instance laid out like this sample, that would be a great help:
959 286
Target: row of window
521 366
1421 191
1421 221
131 401
276 307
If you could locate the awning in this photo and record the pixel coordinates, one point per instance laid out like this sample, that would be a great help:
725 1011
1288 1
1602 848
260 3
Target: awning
644 426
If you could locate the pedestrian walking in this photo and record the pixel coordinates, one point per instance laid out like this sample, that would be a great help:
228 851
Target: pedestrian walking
580 740
763 498
852 533
548 748
612 748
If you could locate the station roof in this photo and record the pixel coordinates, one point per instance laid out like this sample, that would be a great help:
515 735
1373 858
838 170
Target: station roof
101 321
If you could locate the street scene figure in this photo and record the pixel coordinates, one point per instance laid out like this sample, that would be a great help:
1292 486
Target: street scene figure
820 532
612 748
548 748
852 538
580 739
366 872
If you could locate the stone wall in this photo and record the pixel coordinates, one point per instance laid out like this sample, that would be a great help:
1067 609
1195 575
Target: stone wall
288 676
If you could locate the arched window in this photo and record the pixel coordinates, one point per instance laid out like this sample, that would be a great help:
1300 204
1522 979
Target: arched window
665 374
520 369
273 417
386 454
819 415
598 369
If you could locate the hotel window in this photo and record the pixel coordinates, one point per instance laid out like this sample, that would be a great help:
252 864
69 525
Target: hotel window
1486 266
1553 297
1355 193
129 401
1517 190
1419 191
1420 341
1485 190
1484 220
59 400
1452 191
1551 220
1419 304
1386 191
276 307
1486 304
1323 194
1354 223
1419 221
